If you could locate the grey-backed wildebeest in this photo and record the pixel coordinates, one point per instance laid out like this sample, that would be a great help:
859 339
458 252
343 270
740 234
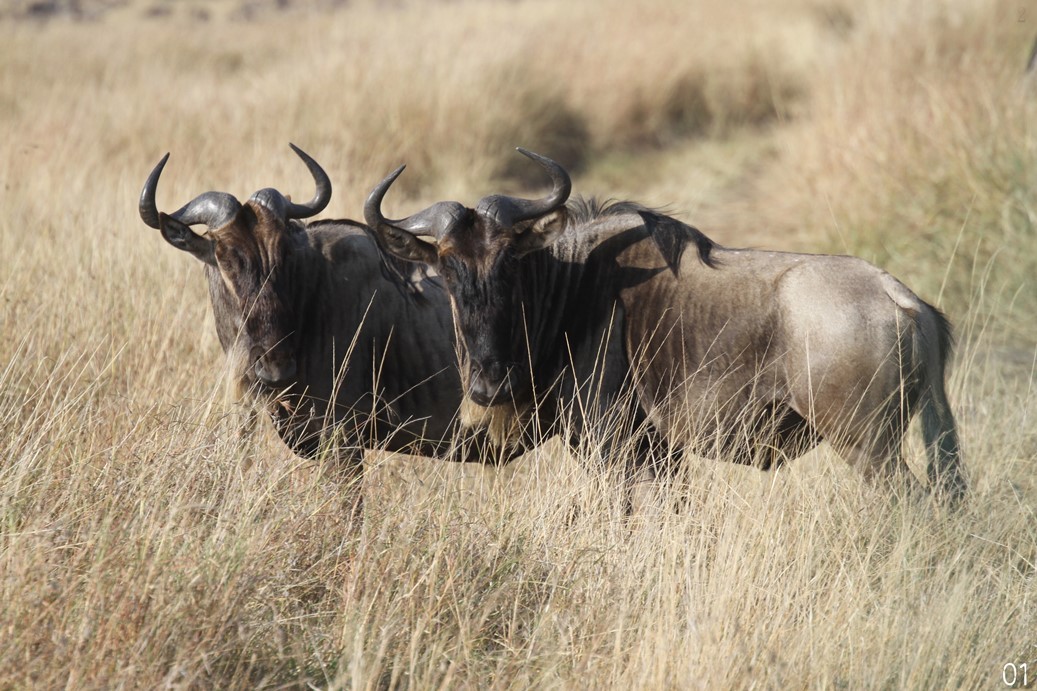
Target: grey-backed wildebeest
325 333
752 356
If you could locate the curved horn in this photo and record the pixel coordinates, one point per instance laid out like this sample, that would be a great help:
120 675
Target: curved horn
373 203
320 198
510 210
214 209
147 208
436 220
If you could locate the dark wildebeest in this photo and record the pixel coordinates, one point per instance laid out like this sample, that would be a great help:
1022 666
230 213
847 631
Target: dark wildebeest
319 330
598 311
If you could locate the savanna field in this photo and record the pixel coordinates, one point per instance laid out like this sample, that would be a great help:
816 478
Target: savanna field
143 544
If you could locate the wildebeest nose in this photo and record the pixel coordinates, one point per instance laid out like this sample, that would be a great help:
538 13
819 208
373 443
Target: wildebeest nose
490 382
493 371
486 393
275 374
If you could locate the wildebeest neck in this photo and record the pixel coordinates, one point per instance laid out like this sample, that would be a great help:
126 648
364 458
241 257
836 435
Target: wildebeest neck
567 293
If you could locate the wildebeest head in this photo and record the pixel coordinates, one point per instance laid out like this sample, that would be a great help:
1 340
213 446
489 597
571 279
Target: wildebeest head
251 248
476 252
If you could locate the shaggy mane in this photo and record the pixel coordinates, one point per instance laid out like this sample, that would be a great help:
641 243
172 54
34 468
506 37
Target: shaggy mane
584 210
670 235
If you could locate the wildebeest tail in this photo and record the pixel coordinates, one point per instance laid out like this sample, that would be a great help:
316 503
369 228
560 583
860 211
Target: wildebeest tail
933 352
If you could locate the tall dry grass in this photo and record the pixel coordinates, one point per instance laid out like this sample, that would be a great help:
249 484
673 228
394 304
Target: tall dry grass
142 545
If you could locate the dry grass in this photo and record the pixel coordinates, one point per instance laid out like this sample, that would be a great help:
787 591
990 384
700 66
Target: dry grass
142 545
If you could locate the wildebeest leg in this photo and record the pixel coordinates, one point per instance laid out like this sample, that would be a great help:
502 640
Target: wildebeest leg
655 460
777 435
476 446
864 420
342 468
247 428
878 458
614 453
641 455
338 454
349 475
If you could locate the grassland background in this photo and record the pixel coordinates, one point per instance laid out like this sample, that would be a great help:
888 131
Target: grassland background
142 546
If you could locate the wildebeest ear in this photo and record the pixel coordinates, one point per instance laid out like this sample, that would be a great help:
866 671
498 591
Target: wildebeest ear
180 236
404 245
542 232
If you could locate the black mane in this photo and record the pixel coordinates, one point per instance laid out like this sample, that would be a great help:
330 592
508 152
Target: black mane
584 210
670 235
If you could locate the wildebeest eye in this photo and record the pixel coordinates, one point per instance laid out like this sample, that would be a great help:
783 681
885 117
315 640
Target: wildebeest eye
233 259
452 270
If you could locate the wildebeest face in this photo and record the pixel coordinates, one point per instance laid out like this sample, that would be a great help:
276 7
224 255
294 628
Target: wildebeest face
254 256
251 248
480 264
478 253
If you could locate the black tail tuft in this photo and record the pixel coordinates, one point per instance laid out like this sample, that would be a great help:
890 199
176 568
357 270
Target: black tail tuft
946 476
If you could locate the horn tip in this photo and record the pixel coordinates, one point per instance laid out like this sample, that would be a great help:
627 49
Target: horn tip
300 153
391 177
161 162
532 155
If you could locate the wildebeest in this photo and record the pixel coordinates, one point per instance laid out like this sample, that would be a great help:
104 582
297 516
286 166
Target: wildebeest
328 335
616 312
